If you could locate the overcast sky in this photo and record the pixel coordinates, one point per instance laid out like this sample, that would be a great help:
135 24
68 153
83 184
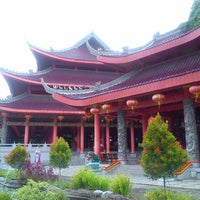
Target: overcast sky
60 24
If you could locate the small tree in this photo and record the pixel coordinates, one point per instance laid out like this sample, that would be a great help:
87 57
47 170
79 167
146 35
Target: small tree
60 153
162 154
17 157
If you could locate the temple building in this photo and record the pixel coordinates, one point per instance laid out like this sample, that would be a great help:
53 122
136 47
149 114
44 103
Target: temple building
101 100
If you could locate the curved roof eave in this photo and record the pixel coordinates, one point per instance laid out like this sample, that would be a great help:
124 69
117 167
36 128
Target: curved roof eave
16 77
15 110
137 91
151 51
65 59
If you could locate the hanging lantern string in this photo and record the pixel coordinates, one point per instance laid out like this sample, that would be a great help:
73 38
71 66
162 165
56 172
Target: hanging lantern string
60 119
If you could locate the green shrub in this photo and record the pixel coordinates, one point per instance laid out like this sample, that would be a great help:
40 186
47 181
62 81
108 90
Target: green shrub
9 174
60 184
87 179
4 195
39 191
3 172
159 194
103 183
17 157
121 184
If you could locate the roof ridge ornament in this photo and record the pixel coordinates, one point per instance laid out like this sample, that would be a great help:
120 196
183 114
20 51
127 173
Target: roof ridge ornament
156 36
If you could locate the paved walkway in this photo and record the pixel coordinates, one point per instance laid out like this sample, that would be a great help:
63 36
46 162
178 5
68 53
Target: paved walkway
135 172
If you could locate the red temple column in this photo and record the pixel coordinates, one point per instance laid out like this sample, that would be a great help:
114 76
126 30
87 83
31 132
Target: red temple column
26 131
144 123
97 134
95 111
78 139
132 138
82 138
55 130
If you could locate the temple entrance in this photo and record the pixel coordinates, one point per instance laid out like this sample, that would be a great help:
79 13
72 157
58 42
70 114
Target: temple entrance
113 139
39 134
69 136
89 138
14 134
138 136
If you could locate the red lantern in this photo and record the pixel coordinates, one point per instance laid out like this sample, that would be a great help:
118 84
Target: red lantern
109 118
60 117
131 103
158 98
94 111
196 91
106 107
87 116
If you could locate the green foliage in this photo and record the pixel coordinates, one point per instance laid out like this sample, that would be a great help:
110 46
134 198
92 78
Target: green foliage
87 179
17 157
9 174
5 195
0 135
160 194
38 191
60 184
194 17
162 154
60 153
121 185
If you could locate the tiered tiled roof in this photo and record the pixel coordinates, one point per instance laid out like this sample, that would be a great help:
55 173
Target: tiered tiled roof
161 48
37 104
64 77
155 73
152 63
156 41
78 52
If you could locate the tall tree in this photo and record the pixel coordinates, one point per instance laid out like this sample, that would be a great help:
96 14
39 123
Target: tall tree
60 153
162 154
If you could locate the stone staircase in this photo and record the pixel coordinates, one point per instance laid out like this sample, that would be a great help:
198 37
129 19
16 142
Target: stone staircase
133 159
76 159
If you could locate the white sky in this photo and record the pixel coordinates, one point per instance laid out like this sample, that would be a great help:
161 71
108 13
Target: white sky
62 23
